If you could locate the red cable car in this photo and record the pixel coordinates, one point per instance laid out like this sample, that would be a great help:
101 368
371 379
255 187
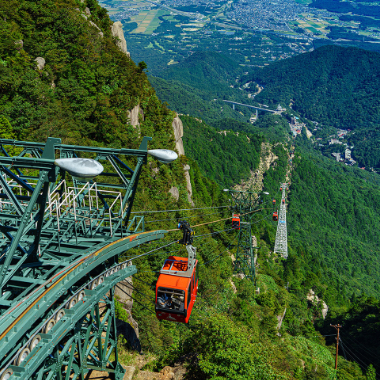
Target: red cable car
280 188
274 202
275 216
177 285
283 201
236 221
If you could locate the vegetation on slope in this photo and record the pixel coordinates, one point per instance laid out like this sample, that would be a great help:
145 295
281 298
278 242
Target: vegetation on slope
225 156
83 95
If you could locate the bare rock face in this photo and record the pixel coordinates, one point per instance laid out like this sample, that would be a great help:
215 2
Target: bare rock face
174 192
129 329
19 44
129 371
280 318
117 31
87 11
313 298
189 189
178 134
40 63
133 116
96 26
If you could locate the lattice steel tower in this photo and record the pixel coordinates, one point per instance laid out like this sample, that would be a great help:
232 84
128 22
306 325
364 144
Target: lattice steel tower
281 243
245 203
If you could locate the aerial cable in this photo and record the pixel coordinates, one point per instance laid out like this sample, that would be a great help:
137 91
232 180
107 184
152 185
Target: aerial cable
138 302
219 220
182 209
153 250
207 262
183 217
138 291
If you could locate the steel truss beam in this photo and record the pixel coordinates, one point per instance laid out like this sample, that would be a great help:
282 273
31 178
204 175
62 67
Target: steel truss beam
281 242
245 203
85 338
58 236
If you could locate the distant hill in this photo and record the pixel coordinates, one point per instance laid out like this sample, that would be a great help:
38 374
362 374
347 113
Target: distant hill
204 70
336 86
198 85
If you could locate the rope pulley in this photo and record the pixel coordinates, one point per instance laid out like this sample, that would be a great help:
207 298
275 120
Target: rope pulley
188 233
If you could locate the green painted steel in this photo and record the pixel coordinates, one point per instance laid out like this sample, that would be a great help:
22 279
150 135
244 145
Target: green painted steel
246 204
58 236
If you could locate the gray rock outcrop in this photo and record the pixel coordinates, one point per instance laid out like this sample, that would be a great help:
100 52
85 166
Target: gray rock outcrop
129 329
40 63
117 31
96 26
313 298
178 134
174 192
134 117
189 189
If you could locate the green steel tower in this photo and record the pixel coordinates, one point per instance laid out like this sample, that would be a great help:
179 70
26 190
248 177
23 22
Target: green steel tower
61 237
245 203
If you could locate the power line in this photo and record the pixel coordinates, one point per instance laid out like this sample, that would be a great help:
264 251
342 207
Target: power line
355 357
362 347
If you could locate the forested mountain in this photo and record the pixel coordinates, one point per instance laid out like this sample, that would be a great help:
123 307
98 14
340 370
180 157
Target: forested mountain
84 93
207 71
332 85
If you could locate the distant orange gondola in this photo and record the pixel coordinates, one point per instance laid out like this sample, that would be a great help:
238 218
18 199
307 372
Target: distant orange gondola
274 202
236 221
275 216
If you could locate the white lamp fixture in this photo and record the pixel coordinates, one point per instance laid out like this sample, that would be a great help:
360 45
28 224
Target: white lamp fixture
80 168
163 155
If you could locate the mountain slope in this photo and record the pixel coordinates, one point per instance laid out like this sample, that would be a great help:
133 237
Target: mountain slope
334 85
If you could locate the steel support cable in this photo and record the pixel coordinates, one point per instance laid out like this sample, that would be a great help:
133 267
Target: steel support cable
207 262
134 288
150 252
144 306
182 217
182 209
219 220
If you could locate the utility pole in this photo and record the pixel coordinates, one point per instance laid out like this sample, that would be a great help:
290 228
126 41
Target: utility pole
337 327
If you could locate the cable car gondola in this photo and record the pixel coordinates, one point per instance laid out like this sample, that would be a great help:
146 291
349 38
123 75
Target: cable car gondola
274 202
177 284
236 221
275 216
